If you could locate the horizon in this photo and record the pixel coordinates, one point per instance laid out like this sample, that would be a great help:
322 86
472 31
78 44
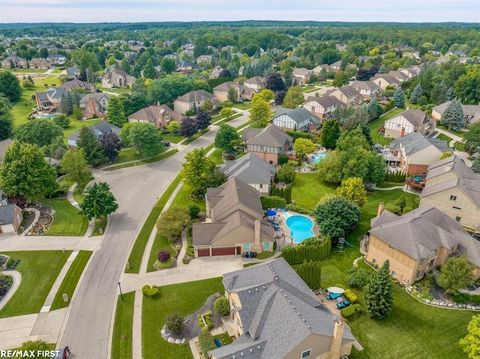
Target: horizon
147 11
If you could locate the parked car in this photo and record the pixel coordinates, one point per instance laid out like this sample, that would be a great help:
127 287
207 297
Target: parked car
333 296
166 144
249 254
343 304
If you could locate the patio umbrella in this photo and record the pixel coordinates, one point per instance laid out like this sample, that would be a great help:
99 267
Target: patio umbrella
271 212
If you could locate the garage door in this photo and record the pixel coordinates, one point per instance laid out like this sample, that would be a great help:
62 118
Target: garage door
203 252
225 251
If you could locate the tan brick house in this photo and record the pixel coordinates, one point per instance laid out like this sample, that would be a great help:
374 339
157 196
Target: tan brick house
276 315
267 143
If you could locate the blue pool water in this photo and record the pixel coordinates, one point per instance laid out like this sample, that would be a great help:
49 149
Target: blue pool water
218 342
301 228
317 157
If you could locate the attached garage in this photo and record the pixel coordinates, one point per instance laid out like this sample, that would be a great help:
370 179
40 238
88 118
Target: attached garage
223 251
203 252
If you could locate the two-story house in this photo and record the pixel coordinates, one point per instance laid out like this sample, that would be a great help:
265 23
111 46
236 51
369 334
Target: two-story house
301 76
322 107
276 316
267 143
117 78
407 122
243 93
192 100
94 105
158 115
297 119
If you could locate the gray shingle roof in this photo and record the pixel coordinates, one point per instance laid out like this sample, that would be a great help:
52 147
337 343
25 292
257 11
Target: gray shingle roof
250 169
278 311
326 101
99 129
154 113
415 117
268 136
298 115
7 214
194 96
415 142
421 232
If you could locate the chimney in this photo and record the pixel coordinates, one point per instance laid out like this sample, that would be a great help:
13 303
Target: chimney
402 133
257 234
336 348
381 207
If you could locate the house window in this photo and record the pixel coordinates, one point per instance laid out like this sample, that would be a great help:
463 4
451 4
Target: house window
266 246
458 219
246 247
456 207
453 198
306 353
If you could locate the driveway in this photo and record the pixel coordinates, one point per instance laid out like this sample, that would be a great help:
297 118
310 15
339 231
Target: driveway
88 327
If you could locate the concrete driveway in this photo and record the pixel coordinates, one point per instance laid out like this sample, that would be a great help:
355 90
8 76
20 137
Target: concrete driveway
89 324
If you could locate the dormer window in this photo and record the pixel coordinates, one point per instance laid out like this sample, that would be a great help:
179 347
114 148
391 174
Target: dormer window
453 198
306 353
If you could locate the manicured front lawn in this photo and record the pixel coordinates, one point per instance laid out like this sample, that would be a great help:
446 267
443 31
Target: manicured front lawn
71 279
76 125
184 198
243 105
217 156
124 163
67 219
184 299
39 269
123 327
135 258
459 146
445 138
308 190
161 243
168 137
100 225
377 137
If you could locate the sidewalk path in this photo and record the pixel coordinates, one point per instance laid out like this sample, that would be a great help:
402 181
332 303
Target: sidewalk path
70 197
35 220
137 326
10 243
17 279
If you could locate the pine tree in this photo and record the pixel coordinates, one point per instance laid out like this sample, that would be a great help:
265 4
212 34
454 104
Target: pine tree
399 98
373 109
453 117
91 147
416 94
149 70
449 95
378 293
330 134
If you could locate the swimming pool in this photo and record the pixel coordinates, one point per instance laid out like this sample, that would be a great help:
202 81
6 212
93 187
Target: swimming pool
301 228
318 157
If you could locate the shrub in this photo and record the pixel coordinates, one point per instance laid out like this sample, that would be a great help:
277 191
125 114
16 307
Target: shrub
352 297
150 292
298 209
310 272
351 310
205 340
62 121
282 159
221 306
273 202
358 277
174 323
193 210
163 256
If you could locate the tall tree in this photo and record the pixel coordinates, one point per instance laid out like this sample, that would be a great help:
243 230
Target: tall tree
378 293
416 94
5 118
455 274
111 145
226 138
168 65
294 97
39 132
353 190
232 95
453 117
373 109
25 173
116 112
10 86
74 165
303 147
88 142
472 139
275 82
99 201
476 165
202 120
336 216
330 134
399 98
260 112
467 87
145 139
471 342
188 127
149 71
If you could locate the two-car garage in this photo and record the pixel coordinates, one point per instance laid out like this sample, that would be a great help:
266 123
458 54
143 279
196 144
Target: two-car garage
218 251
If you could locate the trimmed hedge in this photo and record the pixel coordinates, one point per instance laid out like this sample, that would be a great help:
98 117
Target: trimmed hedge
150 292
352 297
311 274
310 250
285 193
351 310
296 134
273 202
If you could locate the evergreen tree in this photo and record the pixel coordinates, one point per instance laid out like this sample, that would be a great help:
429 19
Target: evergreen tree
416 94
438 93
453 117
449 95
378 293
91 147
399 98
5 118
149 71
116 113
373 109
330 134
66 103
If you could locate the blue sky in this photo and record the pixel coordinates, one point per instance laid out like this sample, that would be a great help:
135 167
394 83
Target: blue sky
195 10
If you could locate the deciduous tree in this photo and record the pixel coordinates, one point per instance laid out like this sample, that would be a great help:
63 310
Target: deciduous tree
303 147
39 132
336 216
294 97
353 190
260 112
5 118
74 165
188 127
455 274
111 145
145 139
227 138
471 342
116 113
99 201
330 134
10 86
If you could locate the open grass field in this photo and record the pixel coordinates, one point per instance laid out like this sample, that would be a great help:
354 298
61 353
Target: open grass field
123 327
135 258
67 219
71 280
39 269
184 299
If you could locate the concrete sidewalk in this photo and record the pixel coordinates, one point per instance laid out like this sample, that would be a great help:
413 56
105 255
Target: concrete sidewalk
38 243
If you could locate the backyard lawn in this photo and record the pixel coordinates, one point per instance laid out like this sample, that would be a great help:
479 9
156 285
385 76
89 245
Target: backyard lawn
39 269
123 327
184 299
71 279
136 255
67 220
308 190
375 125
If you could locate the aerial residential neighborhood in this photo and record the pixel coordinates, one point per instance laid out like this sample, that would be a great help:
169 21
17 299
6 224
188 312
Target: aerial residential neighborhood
178 185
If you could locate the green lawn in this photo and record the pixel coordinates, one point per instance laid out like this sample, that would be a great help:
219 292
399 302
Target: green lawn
308 190
99 228
71 279
39 269
123 327
184 198
243 106
161 243
459 146
67 219
376 124
443 137
19 71
136 255
218 120
124 162
119 91
183 299
76 125
78 194
168 137
217 156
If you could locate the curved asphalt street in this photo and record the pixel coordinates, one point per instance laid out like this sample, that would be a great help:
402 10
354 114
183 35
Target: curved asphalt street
88 327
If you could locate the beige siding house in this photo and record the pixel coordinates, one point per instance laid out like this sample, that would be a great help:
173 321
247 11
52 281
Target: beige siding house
454 188
323 107
407 122
191 100
274 315
267 143
158 115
